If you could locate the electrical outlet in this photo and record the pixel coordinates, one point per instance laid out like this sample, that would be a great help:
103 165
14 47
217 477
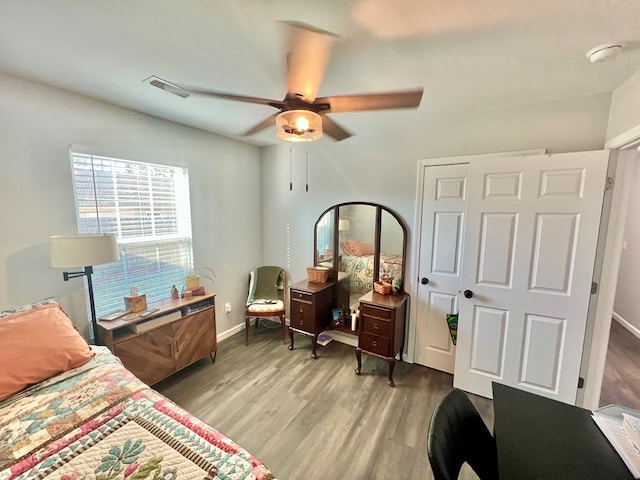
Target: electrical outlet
227 307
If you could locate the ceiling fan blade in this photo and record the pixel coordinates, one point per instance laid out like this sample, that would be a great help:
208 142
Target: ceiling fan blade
184 92
372 101
266 123
334 130
307 59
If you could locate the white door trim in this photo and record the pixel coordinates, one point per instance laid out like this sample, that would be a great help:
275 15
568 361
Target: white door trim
414 267
596 350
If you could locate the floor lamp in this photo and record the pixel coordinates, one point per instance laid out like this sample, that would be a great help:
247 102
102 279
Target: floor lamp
84 250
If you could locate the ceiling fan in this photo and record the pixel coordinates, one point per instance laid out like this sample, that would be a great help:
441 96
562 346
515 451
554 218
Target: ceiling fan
302 114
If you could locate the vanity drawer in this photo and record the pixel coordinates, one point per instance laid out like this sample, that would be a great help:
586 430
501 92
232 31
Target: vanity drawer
301 316
301 296
376 326
374 344
371 311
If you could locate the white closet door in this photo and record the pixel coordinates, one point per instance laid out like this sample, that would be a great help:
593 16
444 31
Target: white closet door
443 218
530 244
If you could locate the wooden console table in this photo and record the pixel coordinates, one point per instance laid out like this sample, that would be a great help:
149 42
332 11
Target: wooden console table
153 349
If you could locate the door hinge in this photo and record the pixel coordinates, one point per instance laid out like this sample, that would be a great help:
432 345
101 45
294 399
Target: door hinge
594 288
580 382
609 184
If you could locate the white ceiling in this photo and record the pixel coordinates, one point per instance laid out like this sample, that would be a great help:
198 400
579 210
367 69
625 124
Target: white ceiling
470 56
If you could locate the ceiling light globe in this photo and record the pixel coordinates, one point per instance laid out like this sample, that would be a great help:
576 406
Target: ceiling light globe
298 126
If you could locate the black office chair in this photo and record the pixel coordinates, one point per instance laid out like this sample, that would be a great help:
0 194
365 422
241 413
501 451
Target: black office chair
457 434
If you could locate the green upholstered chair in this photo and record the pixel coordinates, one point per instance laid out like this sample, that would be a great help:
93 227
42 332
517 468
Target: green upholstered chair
266 298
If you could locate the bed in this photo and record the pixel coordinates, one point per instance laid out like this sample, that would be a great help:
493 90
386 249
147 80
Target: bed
96 420
360 270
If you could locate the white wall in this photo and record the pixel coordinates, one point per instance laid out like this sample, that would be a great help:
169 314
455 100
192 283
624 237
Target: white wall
626 305
37 124
624 113
383 170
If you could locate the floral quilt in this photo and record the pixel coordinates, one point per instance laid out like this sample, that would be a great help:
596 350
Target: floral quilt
99 422
361 270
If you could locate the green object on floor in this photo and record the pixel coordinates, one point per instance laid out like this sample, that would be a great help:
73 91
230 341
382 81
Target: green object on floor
452 321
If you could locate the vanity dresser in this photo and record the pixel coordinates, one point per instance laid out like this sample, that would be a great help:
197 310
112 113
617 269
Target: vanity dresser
360 244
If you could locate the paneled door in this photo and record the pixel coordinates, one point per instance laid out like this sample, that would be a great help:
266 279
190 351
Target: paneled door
444 202
530 244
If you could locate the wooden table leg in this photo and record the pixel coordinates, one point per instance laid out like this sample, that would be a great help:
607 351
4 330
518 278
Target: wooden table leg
290 339
392 364
359 359
313 348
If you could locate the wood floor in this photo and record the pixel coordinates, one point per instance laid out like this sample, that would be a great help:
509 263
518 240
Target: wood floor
315 419
621 382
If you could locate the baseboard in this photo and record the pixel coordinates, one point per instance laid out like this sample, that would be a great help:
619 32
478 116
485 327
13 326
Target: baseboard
232 331
632 328
238 328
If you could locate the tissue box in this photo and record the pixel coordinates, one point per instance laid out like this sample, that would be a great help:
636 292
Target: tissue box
136 304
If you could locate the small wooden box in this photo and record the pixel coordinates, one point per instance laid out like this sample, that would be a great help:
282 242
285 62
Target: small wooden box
136 304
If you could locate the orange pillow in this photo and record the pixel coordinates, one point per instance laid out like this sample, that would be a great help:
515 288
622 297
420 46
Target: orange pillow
36 345
361 248
356 248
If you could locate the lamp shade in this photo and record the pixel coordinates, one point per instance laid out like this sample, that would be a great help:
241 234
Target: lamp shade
298 126
82 250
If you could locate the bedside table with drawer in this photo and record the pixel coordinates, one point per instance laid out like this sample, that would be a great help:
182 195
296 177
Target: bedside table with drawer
381 330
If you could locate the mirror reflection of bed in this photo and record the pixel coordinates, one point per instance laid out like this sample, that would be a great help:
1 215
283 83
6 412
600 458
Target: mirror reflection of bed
369 246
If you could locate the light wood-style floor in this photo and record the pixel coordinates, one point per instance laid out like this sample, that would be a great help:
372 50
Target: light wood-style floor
621 382
315 419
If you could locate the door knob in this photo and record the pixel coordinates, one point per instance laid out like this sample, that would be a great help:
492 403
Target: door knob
424 280
468 294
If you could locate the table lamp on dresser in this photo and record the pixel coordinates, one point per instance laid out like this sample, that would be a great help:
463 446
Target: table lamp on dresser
84 251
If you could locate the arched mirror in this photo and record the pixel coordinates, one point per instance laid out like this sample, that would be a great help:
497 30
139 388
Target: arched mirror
362 243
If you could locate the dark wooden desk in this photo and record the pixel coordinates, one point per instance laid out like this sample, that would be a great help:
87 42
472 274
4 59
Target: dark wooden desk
539 438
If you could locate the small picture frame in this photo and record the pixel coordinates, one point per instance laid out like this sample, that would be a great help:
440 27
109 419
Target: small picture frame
337 317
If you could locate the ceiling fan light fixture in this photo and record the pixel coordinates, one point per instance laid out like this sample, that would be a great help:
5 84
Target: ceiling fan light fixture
298 126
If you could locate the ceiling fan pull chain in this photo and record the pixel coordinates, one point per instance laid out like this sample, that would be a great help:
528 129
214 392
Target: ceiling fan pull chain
290 175
307 172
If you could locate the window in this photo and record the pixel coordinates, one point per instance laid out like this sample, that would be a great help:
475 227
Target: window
147 207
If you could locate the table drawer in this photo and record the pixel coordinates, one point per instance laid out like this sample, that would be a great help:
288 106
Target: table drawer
375 311
301 316
376 326
301 296
374 344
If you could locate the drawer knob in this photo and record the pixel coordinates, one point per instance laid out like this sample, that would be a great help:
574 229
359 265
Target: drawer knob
374 343
301 322
376 326
300 310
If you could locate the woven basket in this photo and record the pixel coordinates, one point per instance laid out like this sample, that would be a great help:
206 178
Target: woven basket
317 274
382 287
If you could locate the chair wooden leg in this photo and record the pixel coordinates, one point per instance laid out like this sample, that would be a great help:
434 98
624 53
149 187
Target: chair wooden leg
247 325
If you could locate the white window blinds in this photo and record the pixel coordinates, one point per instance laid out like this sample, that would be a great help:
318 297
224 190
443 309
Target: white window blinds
147 207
